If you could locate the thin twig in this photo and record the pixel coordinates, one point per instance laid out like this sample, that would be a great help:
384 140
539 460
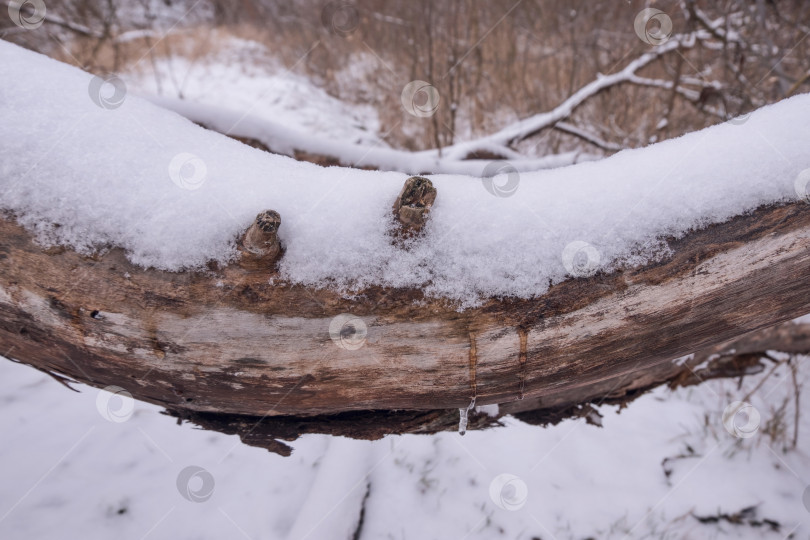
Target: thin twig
793 369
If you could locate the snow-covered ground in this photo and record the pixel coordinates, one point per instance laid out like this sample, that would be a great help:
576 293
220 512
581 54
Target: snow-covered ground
69 472
244 76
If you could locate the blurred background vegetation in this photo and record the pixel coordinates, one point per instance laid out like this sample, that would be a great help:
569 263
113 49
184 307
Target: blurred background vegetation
492 62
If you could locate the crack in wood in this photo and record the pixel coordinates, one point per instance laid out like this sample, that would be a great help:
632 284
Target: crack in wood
523 334
473 368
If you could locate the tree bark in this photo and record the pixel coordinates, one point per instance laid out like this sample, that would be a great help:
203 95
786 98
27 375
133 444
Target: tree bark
230 351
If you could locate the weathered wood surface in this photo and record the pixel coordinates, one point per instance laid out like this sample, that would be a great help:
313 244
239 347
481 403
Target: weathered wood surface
226 342
739 357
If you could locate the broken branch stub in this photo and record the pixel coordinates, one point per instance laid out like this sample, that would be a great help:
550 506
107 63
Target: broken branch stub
260 245
413 204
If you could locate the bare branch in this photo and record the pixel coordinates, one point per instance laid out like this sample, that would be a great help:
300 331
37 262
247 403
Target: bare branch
588 137
451 159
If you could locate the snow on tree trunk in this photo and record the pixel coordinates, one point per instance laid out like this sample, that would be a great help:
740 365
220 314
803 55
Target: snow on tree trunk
125 262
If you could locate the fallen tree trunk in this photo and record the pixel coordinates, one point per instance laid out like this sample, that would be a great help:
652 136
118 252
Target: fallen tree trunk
230 350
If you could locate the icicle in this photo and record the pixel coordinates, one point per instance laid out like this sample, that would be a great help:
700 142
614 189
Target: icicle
462 420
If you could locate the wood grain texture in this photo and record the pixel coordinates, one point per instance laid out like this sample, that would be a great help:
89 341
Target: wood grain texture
226 342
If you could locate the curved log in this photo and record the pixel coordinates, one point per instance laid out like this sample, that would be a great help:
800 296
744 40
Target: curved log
229 342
